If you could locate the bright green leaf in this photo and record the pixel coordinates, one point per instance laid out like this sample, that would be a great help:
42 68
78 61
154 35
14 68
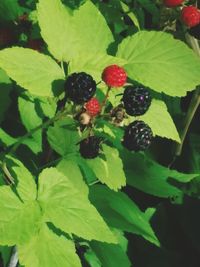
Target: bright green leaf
160 62
160 121
18 221
109 170
31 70
57 29
121 212
69 208
30 119
26 186
94 33
71 169
63 136
46 249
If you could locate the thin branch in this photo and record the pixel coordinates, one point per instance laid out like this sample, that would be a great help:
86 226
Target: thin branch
14 258
194 104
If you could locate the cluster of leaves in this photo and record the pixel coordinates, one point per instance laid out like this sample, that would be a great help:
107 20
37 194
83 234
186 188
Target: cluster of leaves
59 203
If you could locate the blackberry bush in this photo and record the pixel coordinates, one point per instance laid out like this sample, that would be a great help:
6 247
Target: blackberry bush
82 182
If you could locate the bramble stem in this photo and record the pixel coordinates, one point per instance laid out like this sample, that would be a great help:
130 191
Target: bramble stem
62 67
103 104
44 125
14 258
194 104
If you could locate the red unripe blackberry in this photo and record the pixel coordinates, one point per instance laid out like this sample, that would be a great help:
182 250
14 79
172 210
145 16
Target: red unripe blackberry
93 107
190 15
114 76
173 3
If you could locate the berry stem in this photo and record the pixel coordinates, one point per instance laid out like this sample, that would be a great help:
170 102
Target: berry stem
103 104
62 67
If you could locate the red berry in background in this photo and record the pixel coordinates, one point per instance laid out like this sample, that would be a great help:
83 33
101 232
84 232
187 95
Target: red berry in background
93 107
114 76
173 3
35 44
190 15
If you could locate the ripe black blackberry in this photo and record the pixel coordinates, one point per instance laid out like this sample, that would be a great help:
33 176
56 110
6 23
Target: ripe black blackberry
136 99
80 87
138 136
195 31
90 147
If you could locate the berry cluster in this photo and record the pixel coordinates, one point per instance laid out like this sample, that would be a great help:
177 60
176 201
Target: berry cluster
190 16
80 88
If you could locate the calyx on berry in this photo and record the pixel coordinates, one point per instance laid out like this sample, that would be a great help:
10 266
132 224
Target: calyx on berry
173 3
90 147
114 76
137 100
93 107
190 15
118 114
138 136
80 87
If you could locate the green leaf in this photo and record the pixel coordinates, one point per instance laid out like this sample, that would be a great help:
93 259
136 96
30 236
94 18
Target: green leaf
109 170
58 29
160 62
6 138
30 119
151 177
10 9
31 70
63 136
121 212
69 208
92 259
26 186
131 15
93 65
71 169
68 35
5 254
47 105
110 255
46 249
18 221
94 33
160 121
